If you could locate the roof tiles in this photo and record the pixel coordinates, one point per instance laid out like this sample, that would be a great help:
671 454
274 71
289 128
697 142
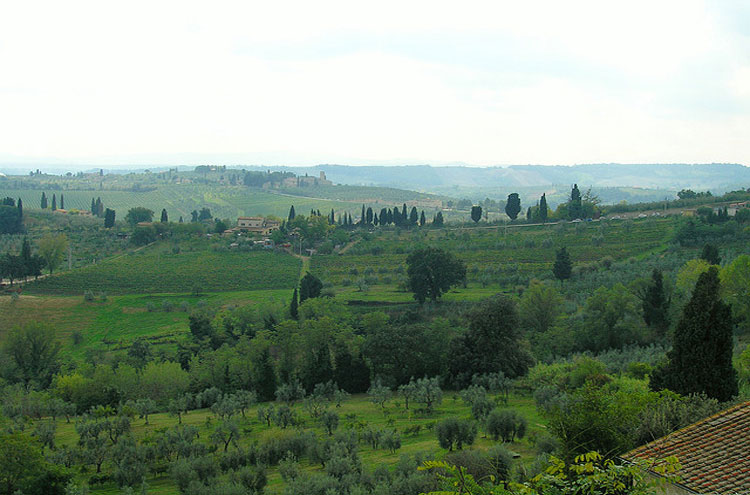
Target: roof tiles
714 453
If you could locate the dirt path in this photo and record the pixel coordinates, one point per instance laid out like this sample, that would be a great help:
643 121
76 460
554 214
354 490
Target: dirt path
349 246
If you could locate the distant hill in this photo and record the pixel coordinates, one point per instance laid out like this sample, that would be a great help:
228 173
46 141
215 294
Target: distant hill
717 176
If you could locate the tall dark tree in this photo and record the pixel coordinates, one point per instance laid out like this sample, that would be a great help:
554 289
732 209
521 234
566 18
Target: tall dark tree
109 218
363 218
293 306
710 253
404 214
432 272
575 209
93 207
99 207
543 208
164 217
700 361
309 287
332 219
422 219
317 367
264 377
529 214
44 201
368 216
20 207
413 216
656 304
351 372
492 342
513 206
54 202
62 201
26 258
291 213
563 267
438 222
476 213
375 219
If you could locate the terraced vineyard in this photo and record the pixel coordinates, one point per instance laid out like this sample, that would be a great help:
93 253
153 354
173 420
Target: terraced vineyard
157 269
522 249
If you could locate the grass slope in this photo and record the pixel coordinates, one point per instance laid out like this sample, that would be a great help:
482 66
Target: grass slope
112 325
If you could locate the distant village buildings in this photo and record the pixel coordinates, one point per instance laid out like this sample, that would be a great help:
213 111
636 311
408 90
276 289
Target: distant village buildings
256 225
300 181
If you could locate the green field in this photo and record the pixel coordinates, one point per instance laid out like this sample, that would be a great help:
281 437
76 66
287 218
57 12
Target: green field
158 269
112 325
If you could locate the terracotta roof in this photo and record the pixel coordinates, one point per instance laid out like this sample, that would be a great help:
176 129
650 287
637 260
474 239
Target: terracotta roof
714 452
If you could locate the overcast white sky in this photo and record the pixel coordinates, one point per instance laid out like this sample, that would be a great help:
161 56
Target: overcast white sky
483 83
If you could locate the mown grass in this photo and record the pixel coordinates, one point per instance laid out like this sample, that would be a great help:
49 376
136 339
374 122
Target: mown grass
357 412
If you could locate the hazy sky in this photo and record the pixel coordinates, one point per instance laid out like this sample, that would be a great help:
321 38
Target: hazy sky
485 83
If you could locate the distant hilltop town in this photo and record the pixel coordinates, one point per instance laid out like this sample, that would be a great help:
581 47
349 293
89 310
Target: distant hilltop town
300 181
265 180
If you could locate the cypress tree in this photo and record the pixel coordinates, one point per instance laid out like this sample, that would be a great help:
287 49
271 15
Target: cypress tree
265 377
375 219
54 202
26 258
318 368
164 218
710 253
656 304
513 206
404 214
574 205
291 213
413 216
362 218
528 214
62 201
563 267
422 219
44 201
99 207
333 217
368 215
701 357
181 220
438 219
109 218
293 306
93 207
543 208
19 226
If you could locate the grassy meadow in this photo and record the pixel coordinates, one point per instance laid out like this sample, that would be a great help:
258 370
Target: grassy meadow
415 427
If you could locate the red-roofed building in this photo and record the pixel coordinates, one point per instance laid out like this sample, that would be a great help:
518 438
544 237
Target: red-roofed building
714 453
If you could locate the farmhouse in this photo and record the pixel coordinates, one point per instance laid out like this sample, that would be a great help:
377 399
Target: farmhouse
257 225
713 453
